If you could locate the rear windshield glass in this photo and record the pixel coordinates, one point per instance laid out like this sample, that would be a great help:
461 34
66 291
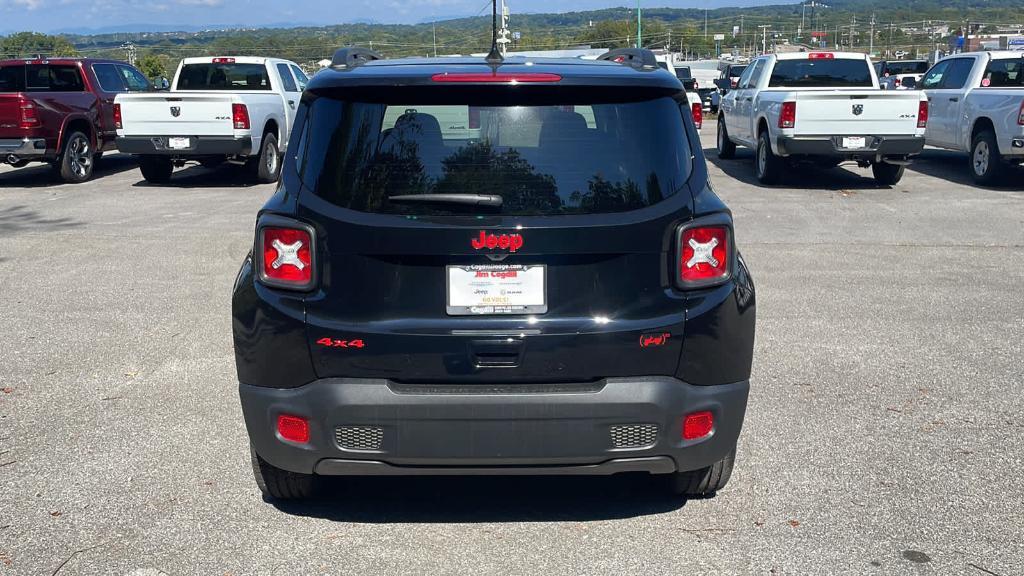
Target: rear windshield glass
917 67
12 79
821 73
1004 74
41 78
223 77
736 71
541 159
683 72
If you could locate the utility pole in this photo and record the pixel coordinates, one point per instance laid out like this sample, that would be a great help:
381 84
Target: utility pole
764 38
433 29
705 23
639 27
129 52
503 32
871 49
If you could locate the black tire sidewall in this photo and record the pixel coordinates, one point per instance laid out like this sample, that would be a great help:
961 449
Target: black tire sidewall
155 169
994 158
268 146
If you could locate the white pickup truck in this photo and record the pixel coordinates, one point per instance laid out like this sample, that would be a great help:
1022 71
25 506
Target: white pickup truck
977 106
236 109
821 107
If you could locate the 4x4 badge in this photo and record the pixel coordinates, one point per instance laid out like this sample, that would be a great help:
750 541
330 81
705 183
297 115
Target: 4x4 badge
510 242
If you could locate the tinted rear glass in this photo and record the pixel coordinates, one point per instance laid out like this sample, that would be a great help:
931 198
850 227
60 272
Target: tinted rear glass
1004 74
234 77
821 73
12 79
540 158
736 71
906 67
41 78
683 72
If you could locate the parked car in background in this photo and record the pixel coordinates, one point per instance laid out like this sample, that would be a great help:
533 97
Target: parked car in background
822 107
61 111
894 74
977 106
730 77
705 87
219 109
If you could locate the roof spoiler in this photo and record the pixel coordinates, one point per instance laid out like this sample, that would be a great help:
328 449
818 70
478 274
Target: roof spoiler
353 56
639 58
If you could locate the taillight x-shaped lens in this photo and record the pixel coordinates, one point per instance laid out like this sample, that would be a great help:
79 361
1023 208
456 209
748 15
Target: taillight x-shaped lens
287 257
704 254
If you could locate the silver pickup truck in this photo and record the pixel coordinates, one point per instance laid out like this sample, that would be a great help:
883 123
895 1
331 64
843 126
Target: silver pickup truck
976 102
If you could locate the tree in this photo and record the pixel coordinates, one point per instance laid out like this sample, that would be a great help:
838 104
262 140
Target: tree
30 44
152 66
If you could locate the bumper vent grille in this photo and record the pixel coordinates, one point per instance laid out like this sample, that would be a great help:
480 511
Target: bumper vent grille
359 437
634 435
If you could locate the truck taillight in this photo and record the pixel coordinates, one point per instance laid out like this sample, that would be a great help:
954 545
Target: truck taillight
240 116
29 117
787 116
285 254
223 60
117 117
896 82
821 56
696 109
704 253
733 82
922 114
1020 116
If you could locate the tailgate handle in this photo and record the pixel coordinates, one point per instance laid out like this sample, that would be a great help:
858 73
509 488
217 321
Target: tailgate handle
954 99
503 353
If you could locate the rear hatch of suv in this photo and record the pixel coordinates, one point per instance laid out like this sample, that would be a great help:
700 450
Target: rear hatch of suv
495 234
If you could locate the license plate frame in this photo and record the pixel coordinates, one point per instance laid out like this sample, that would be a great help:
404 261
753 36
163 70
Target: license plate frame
179 142
854 142
530 278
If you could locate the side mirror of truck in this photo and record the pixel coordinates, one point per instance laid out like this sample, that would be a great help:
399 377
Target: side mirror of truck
723 84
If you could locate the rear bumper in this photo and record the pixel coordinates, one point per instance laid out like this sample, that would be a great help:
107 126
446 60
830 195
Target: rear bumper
199 146
26 148
379 427
832 146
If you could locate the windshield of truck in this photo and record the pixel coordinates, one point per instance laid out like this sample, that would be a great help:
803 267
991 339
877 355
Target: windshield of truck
909 67
540 156
1004 74
217 76
821 73
683 72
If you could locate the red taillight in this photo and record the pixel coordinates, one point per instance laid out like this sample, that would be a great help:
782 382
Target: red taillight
821 56
240 116
286 257
293 428
223 60
704 254
698 425
922 114
787 116
495 77
733 82
1020 116
696 85
29 118
698 114
117 117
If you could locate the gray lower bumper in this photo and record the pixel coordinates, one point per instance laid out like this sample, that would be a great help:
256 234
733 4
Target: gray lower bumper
833 146
484 429
198 146
27 148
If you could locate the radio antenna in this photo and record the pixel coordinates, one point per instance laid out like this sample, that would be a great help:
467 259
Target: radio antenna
495 57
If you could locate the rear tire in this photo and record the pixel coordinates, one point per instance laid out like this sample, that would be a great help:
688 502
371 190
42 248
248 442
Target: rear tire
887 174
156 169
76 160
268 165
726 149
703 482
767 165
987 166
281 484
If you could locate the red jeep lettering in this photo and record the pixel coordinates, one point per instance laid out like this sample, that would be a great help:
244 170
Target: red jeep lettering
510 242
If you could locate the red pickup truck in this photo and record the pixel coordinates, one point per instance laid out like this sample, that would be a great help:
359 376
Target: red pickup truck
61 111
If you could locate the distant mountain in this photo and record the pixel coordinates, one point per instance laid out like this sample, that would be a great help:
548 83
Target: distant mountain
143 27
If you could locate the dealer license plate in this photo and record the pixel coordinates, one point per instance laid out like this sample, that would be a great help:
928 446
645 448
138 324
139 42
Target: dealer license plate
854 142
178 143
497 289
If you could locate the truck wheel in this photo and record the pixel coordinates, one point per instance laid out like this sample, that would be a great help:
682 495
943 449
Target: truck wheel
75 162
726 149
703 482
768 165
986 161
281 484
156 169
887 174
268 166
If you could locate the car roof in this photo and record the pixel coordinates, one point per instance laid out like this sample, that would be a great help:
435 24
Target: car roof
61 60
237 59
807 55
573 71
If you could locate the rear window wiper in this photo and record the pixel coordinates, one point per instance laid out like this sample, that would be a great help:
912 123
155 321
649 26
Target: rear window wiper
488 200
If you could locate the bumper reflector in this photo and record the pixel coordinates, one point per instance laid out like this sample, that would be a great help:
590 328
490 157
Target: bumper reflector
293 428
698 425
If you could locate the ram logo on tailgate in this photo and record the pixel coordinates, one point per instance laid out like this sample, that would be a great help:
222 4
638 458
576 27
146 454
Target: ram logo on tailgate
510 242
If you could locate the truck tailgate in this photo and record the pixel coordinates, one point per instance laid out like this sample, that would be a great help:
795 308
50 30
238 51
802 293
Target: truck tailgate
857 112
10 111
176 114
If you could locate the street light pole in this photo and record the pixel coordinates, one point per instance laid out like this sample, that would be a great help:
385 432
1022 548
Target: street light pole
639 27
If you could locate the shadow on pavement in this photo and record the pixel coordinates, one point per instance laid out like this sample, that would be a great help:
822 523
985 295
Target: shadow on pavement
486 499
955 167
39 175
802 176
21 218
195 176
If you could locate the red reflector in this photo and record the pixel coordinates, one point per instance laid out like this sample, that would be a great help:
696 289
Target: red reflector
698 425
698 114
495 77
223 60
821 55
240 116
922 114
29 118
787 116
703 255
896 82
117 117
293 428
287 258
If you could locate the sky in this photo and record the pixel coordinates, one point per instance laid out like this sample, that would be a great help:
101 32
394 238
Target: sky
54 15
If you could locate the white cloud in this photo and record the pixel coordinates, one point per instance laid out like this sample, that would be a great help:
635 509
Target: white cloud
29 4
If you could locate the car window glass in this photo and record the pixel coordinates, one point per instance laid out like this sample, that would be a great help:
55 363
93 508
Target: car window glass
286 78
109 79
1007 73
956 77
66 79
907 67
134 79
756 75
934 76
223 76
300 77
822 73
12 79
742 83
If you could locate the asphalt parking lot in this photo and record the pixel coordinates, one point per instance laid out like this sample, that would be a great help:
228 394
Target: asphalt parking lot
885 432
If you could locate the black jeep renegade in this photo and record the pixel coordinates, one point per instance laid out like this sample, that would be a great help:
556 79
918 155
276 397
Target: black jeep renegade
482 268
